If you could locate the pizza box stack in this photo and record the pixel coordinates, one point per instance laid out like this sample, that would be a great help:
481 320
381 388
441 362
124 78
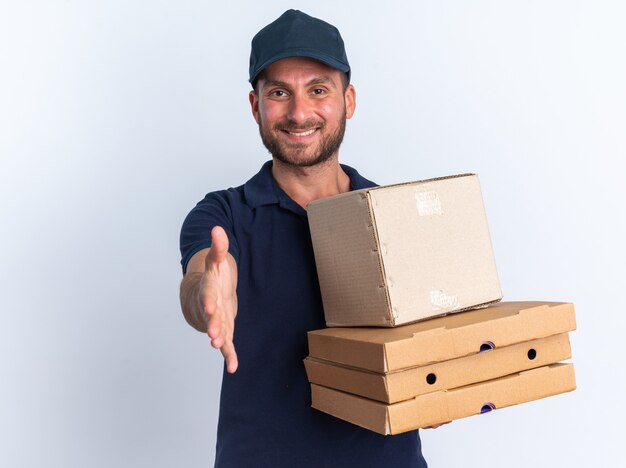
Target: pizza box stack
418 335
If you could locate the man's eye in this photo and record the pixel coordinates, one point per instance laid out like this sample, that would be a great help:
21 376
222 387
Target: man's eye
319 91
278 93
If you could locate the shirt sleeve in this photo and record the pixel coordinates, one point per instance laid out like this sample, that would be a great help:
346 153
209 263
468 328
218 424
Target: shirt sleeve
213 210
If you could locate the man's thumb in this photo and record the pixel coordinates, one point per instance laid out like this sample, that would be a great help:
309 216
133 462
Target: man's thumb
219 244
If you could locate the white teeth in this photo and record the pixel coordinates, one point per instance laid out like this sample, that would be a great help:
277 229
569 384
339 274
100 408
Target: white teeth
307 133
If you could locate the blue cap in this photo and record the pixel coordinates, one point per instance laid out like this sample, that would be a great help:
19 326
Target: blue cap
296 34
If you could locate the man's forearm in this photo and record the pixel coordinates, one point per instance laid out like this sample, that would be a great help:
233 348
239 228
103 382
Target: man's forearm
190 303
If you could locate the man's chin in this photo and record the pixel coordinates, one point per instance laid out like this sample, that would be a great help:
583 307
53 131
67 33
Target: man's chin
301 161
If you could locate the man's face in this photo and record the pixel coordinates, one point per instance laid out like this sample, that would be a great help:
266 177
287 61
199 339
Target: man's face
301 108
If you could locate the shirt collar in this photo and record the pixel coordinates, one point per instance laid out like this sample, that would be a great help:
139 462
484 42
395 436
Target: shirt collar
357 181
262 189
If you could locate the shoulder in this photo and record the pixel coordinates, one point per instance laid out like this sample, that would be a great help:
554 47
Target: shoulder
219 202
219 208
227 197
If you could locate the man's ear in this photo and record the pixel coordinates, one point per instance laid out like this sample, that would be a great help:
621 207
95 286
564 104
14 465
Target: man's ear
350 99
254 104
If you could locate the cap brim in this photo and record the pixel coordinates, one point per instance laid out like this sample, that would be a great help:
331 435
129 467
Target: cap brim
312 54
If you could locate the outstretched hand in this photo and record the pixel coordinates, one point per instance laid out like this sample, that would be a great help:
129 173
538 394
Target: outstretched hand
218 297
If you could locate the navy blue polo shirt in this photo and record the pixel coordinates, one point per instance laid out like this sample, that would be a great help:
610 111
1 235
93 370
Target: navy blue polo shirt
265 415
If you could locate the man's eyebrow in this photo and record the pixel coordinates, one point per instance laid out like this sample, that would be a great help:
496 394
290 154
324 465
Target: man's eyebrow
322 80
278 83
315 81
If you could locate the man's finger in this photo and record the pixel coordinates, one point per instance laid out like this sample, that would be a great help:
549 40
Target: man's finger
435 426
228 351
215 330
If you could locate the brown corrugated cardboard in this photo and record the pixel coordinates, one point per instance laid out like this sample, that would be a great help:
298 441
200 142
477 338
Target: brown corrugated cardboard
396 254
436 340
408 383
445 405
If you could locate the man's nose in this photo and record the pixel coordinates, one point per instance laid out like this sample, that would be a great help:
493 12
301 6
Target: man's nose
300 109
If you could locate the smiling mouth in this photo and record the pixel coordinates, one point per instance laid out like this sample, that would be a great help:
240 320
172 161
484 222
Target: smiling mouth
302 134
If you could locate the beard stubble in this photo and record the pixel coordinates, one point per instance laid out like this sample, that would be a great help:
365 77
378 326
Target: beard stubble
291 153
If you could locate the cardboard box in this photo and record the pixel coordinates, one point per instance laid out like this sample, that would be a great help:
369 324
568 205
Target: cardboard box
409 383
440 339
445 405
396 254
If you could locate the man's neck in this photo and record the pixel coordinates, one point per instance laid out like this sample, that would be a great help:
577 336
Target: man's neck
306 184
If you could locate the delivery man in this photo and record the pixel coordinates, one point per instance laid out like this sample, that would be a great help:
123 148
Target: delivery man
249 273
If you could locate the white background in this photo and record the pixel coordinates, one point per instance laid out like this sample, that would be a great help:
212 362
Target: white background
116 117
